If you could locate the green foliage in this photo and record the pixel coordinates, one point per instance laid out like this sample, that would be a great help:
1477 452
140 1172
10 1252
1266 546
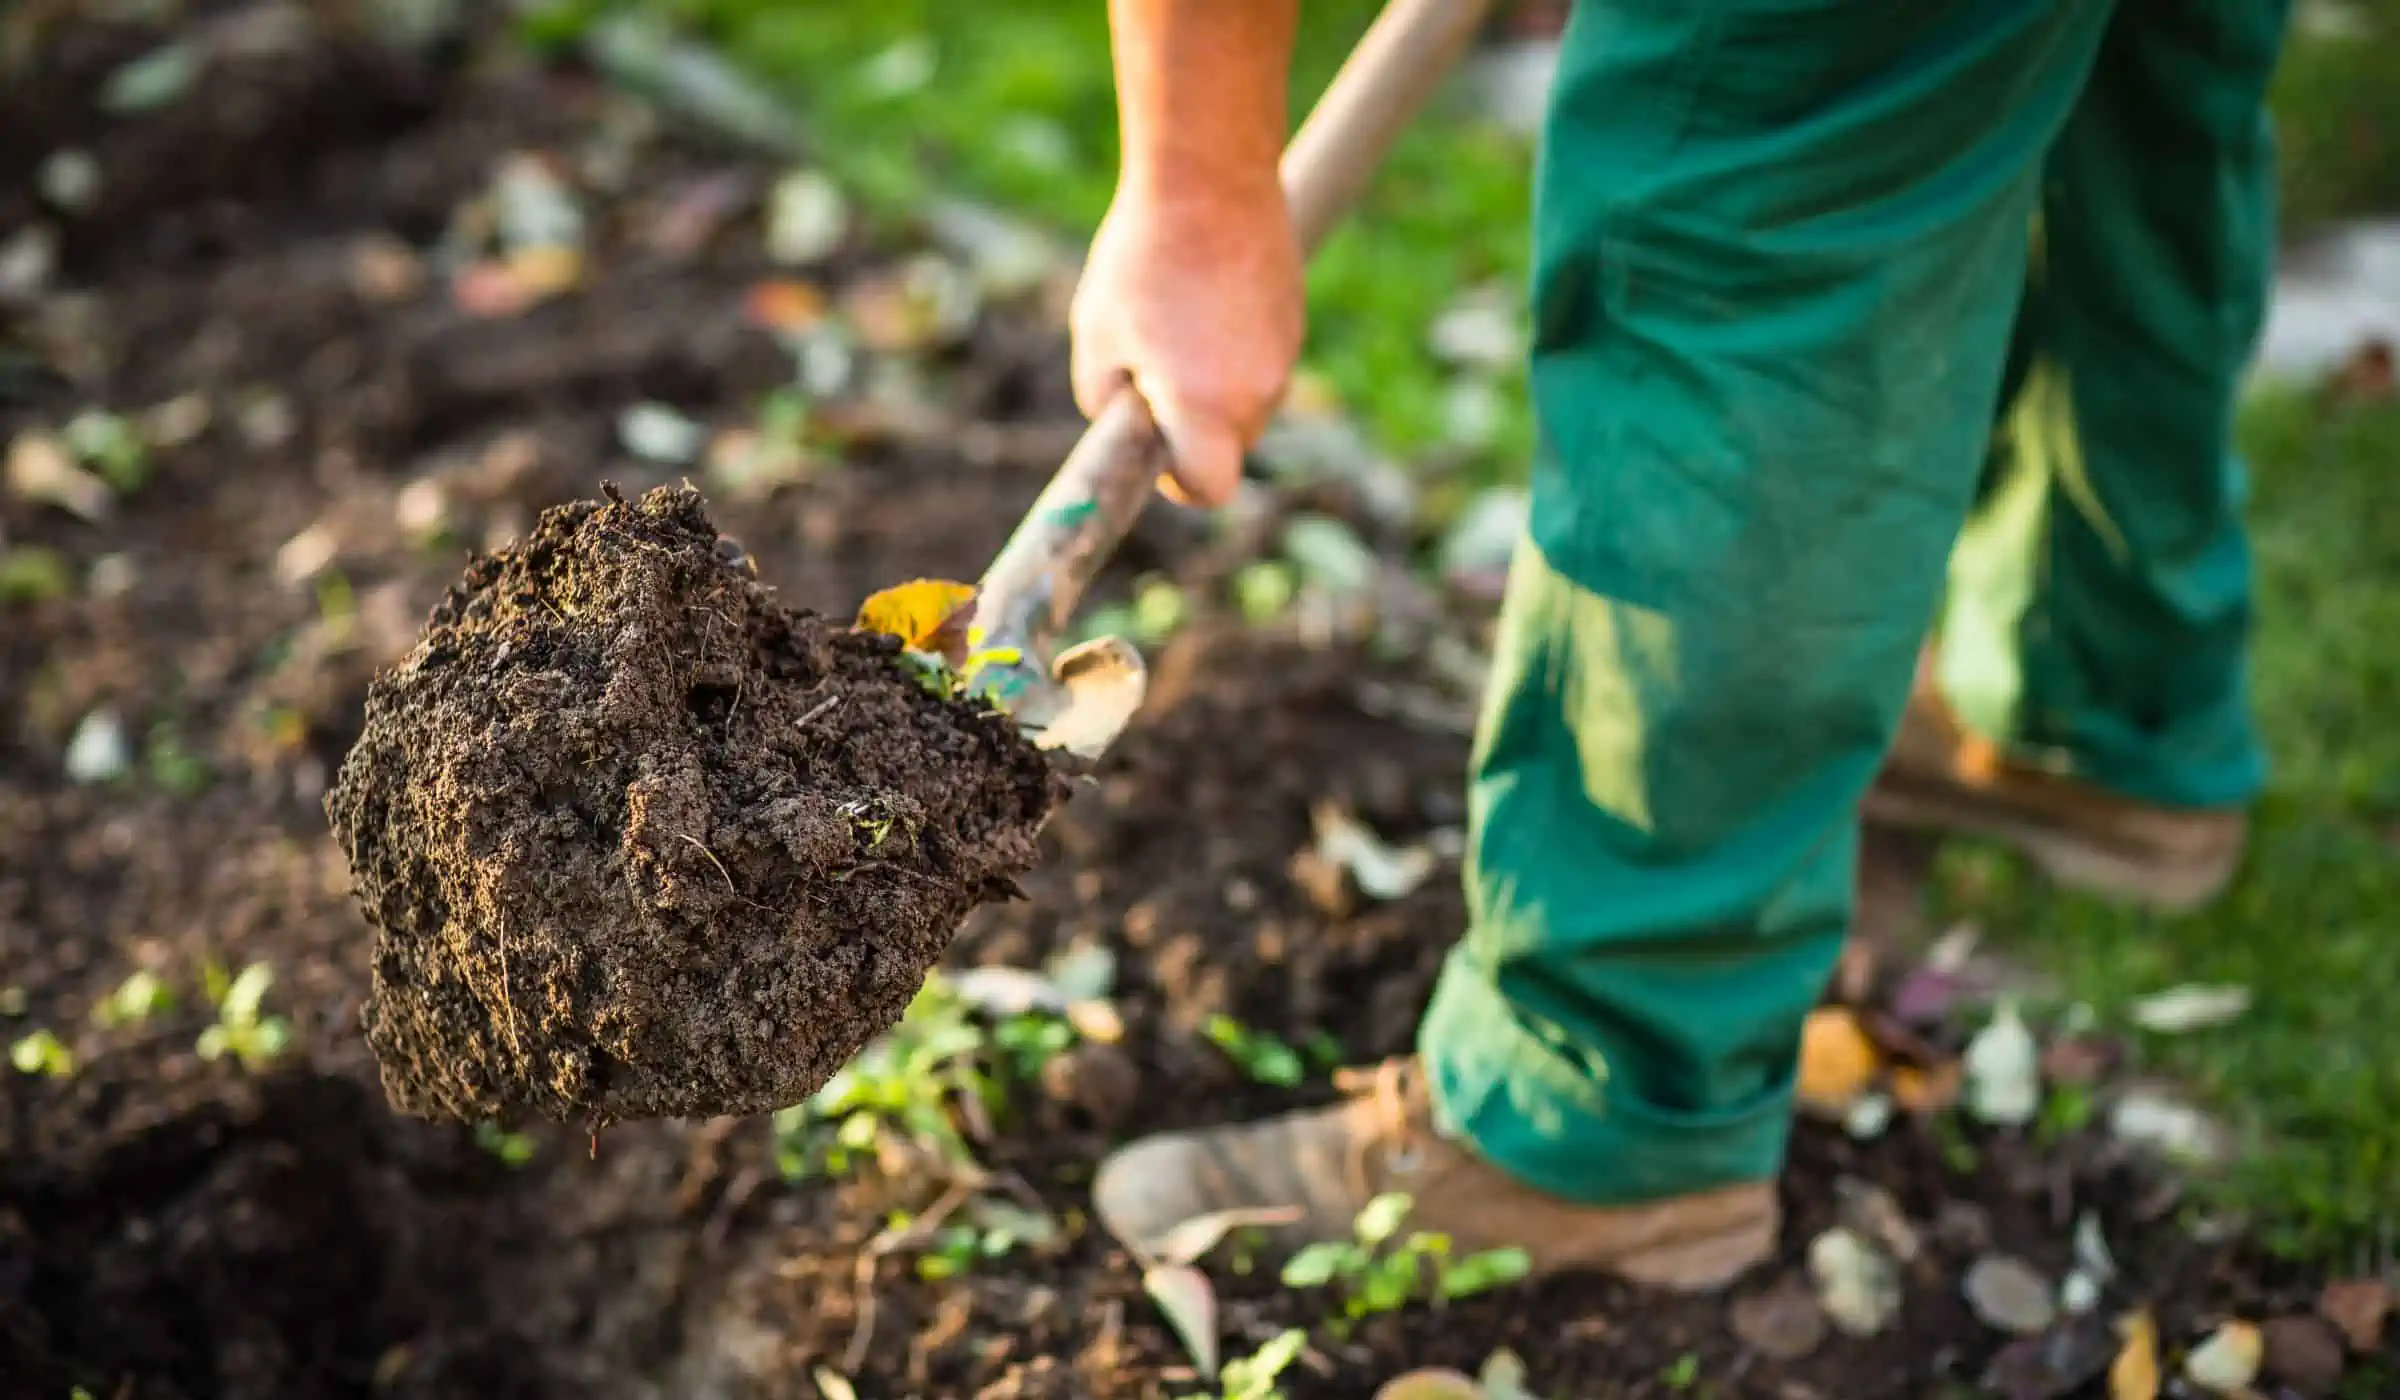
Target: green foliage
33 574
242 1029
1378 1271
1254 1377
40 1052
139 997
513 1148
1259 1054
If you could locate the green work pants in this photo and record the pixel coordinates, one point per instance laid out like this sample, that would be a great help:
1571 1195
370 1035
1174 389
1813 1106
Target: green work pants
1788 256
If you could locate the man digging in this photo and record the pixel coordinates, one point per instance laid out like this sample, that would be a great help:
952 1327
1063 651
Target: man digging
1792 263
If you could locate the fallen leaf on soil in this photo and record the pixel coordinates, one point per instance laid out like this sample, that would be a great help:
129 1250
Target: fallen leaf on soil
1781 1323
2356 1307
2059 1362
2153 1121
1383 871
2228 1361
1503 1376
2009 1296
918 612
2003 1071
1184 1294
1439 1383
1837 1061
1857 1287
2134 1374
40 469
1873 1214
1927 1090
2304 1353
657 433
807 216
2190 1008
1187 1242
783 305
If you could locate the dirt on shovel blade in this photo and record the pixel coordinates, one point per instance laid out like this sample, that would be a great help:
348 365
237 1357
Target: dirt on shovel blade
639 841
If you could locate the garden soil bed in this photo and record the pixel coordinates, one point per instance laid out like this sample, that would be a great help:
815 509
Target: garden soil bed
177 1226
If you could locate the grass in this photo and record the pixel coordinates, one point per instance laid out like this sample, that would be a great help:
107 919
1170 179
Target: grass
910 99
2311 1075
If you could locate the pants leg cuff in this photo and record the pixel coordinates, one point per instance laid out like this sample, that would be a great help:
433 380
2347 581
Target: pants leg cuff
1544 1121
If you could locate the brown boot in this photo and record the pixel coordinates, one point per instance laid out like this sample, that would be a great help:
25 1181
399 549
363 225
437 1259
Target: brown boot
1328 1163
1939 777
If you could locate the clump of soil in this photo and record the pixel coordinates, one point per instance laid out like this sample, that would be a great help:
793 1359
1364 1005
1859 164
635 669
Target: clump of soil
639 841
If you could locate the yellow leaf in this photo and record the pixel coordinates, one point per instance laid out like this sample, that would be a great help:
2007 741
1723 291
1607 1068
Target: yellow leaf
926 614
1927 1090
2134 1374
1837 1061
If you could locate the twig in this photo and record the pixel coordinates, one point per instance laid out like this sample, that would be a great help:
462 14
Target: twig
891 1241
821 707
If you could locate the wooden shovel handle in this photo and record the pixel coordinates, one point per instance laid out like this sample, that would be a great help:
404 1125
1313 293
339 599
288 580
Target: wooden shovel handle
1073 527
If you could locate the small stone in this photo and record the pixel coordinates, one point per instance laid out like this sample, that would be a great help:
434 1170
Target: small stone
2304 1353
2009 1295
1858 1288
99 752
1098 1079
2356 1307
1783 1323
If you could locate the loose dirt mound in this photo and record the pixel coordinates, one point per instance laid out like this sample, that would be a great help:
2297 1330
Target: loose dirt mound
638 841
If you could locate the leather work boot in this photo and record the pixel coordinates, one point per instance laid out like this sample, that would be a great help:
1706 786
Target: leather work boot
1329 1162
1939 777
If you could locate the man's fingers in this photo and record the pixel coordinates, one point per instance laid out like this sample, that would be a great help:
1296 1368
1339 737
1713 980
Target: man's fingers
1206 451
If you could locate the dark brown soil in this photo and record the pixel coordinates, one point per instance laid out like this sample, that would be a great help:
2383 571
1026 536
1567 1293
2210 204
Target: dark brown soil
174 1227
638 841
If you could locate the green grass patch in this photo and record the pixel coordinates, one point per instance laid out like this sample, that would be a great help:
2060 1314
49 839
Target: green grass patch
2311 1074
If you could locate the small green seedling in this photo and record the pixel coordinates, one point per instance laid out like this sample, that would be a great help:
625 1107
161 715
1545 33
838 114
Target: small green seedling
44 1054
1260 1055
136 999
903 1083
1682 1374
110 445
1376 1275
1254 1377
241 1030
514 1149
174 764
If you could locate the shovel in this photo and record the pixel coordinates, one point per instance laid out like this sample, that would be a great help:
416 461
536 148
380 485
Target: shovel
1082 698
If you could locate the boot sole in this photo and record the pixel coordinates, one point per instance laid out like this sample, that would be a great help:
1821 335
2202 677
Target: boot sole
2164 883
1702 1265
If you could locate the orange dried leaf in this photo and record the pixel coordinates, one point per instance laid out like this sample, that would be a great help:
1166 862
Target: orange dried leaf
2134 1374
922 613
1927 1090
1837 1061
783 304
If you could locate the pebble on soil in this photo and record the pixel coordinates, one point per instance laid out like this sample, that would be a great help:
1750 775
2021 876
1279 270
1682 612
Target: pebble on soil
637 840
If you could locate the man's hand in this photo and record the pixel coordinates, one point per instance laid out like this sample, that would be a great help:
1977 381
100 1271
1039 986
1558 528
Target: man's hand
1193 288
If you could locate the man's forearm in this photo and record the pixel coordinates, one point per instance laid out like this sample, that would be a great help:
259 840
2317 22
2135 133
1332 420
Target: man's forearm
1201 92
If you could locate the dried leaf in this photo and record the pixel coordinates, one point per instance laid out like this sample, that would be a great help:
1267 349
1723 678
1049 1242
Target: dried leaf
917 612
1837 1061
1928 1090
1873 1214
2003 1071
2357 1307
41 469
1188 1241
2134 1374
2152 1120
656 433
1189 1301
807 218
1858 1288
2179 1010
783 305
1383 871
2228 1361
832 1384
2007 1295
1503 1376
1431 1383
